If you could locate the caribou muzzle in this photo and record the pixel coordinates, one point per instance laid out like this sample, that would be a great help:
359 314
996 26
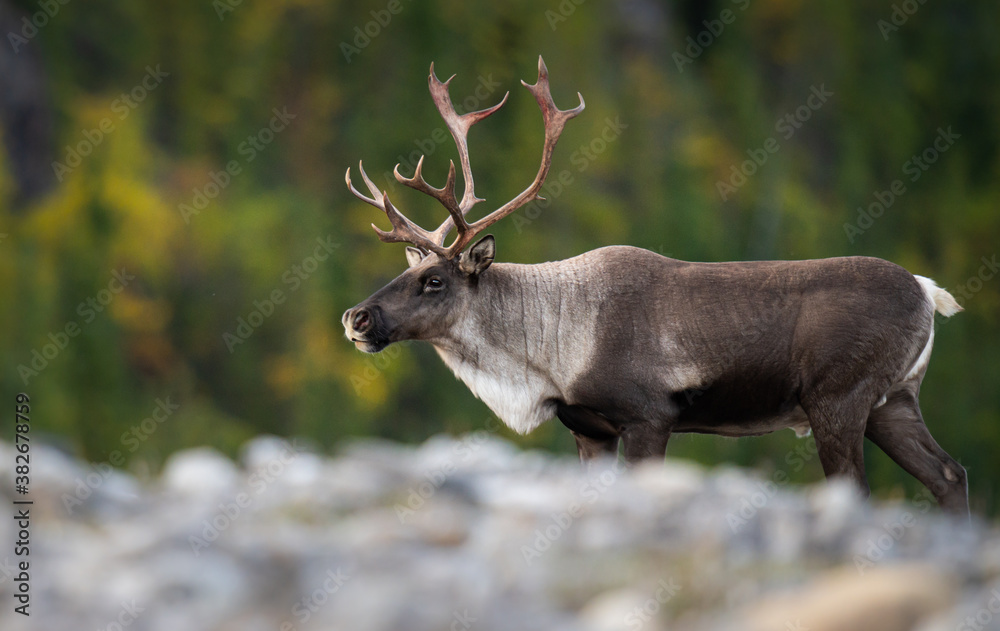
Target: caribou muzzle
365 326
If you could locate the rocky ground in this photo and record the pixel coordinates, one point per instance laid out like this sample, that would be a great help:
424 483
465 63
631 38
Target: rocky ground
475 534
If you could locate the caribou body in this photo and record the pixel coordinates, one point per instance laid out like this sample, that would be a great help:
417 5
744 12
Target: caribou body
624 345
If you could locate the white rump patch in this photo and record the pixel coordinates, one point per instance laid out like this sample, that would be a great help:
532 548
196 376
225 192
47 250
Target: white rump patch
922 361
940 301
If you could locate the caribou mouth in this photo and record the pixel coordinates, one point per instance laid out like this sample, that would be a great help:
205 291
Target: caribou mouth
369 346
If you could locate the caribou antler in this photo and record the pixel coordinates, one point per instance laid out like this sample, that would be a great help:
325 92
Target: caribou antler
404 230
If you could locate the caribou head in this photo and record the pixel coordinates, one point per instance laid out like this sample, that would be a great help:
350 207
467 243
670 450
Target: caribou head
422 302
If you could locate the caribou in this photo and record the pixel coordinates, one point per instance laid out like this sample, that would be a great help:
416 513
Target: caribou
624 345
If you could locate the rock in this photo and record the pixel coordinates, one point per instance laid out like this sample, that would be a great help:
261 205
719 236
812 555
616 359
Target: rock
199 472
471 533
621 610
881 599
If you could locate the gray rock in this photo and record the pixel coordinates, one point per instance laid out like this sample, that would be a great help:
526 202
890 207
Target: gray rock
472 533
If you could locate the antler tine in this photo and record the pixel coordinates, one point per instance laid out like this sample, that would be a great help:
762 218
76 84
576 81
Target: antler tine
445 195
403 230
553 117
371 187
554 120
459 128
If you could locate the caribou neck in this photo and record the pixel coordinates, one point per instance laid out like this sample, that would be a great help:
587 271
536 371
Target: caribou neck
520 345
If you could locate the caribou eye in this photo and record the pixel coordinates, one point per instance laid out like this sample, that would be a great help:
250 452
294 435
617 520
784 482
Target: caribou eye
434 282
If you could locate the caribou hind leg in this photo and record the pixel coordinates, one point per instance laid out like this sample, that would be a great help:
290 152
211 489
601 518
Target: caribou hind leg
898 428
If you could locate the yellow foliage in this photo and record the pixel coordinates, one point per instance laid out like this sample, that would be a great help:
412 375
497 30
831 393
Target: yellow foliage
59 217
284 375
149 222
140 314
702 148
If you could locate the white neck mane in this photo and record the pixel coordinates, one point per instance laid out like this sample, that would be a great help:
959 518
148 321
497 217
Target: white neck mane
523 347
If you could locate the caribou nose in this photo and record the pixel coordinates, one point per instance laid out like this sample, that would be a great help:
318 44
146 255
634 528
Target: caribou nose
361 320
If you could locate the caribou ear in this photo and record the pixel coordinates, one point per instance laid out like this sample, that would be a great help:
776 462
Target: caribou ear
414 256
477 258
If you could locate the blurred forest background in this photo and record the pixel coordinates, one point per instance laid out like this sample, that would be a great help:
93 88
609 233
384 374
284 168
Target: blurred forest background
156 191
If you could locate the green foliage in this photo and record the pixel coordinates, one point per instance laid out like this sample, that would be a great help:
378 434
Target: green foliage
655 184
